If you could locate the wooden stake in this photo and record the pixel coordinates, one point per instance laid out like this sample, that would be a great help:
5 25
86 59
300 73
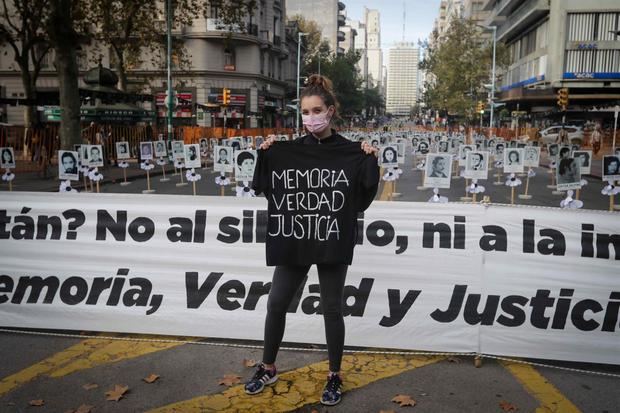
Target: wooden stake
221 190
85 183
474 198
125 175
527 183
512 196
611 202
97 186
194 186
577 193
11 186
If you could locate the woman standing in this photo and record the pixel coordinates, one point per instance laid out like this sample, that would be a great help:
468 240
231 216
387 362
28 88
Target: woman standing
293 258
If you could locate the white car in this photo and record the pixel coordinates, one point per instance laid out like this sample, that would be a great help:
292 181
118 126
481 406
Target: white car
550 134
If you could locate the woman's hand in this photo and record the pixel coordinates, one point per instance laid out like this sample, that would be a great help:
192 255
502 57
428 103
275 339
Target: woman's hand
366 147
267 142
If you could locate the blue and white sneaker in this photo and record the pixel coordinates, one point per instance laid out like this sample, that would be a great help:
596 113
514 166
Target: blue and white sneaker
332 393
263 377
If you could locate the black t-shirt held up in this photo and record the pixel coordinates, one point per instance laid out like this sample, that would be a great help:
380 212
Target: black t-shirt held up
314 190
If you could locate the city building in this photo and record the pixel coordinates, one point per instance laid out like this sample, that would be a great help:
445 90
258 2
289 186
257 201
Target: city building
402 79
327 15
558 44
256 60
372 21
350 33
361 46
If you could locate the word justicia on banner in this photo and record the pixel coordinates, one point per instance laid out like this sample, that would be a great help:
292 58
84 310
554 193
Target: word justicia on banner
490 279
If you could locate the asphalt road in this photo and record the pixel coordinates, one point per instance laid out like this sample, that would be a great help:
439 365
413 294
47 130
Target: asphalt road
65 373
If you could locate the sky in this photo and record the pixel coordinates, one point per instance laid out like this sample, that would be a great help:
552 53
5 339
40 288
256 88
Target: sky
420 15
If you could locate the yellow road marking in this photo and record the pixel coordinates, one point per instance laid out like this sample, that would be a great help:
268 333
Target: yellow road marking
549 397
302 386
84 355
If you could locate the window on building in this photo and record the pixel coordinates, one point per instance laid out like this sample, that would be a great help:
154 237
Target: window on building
229 59
214 10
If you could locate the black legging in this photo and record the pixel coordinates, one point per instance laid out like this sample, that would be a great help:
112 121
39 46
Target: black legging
286 282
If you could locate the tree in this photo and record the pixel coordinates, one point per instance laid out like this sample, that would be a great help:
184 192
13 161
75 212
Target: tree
373 102
459 65
316 47
67 28
22 28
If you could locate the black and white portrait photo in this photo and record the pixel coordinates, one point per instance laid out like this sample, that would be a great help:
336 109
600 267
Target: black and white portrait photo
388 156
146 151
258 141
552 150
438 169
178 150
204 146
68 165
7 158
192 155
160 148
95 156
568 174
400 149
499 150
235 143
223 159
584 158
463 150
477 165
513 160
122 150
423 147
244 165
531 156
375 143
611 168
443 147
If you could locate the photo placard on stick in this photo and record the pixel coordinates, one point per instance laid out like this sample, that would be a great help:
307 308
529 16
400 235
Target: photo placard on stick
611 168
245 162
388 156
223 161
531 156
160 148
146 151
192 155
178 150
438 170
499 149
68 165
204 146
400 148
7 157
95 155
552 150
568 174
463 149
477 165
122 150
423 147
513 160
443 146
585 161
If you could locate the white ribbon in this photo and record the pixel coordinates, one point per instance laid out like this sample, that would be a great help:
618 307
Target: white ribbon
437 199
146 165
192 176
65 186
245 191
94 175
569 202
513 180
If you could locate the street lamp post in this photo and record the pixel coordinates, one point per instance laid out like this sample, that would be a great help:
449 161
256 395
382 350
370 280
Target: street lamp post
493 80
299 35
169 59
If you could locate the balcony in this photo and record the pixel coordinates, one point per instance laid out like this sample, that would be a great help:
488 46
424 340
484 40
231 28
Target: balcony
215 28
342 20
277 41
522 18
341 36
341 6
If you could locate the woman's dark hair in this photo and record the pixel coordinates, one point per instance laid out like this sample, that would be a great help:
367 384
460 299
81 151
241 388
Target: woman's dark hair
318 85
244 156
9 152
564 165
563 151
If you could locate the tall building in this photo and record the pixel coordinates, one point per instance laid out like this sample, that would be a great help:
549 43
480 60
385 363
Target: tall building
558 44
257 62
327 15
402 79
372 21
361 46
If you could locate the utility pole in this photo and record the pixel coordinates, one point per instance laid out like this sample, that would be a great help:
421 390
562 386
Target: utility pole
170 96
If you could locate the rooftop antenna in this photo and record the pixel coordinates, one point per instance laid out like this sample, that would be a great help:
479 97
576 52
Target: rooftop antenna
404 18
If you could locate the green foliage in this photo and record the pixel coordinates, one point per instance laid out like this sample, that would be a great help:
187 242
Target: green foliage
312 41
459 64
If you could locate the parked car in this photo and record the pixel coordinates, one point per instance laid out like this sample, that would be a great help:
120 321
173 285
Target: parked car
550 134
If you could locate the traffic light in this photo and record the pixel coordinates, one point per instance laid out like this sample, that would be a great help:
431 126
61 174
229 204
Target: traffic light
480 107
225 97
563 98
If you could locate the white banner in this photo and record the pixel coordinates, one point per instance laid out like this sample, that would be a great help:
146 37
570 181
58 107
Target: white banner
518 281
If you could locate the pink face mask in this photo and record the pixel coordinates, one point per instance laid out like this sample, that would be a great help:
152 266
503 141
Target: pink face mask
316 123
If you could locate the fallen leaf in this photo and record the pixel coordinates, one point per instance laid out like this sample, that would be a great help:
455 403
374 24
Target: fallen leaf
116 393
249 363
454 360
404 400
85 408
507 407
90 386
230 379
151 378
37 402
